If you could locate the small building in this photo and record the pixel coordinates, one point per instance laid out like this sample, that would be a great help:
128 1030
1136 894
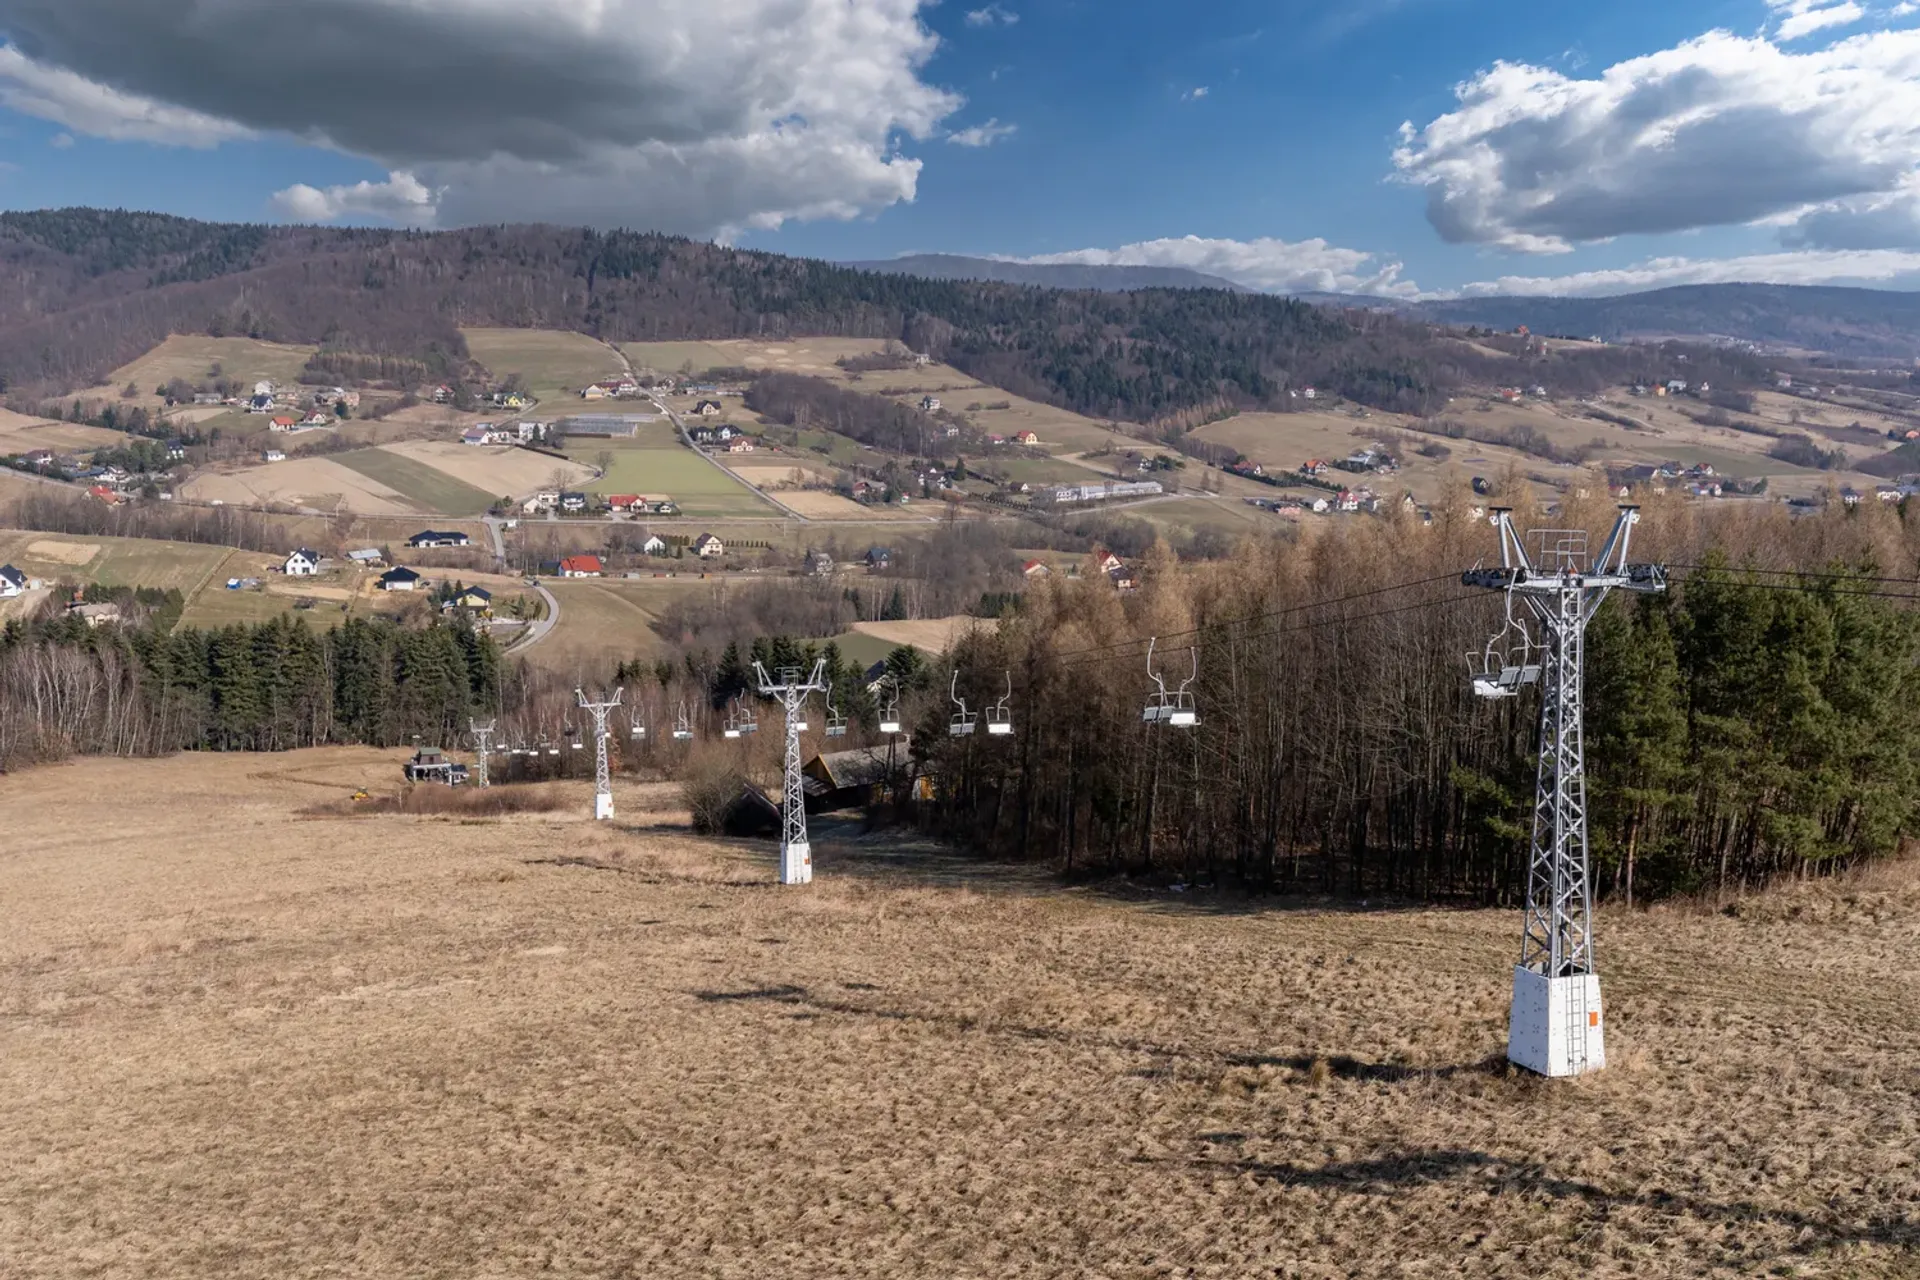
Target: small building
1035 569
12 582
317 419
1029 438
626 502
282 424
260 404
706 409
431 764
819 563
740 444
573 502
929 404
476 435
366 558
1107 562
95 615
437 538
400 579
708 547
581 567
879 559
655 545
471 599
303 563
273 455
846 779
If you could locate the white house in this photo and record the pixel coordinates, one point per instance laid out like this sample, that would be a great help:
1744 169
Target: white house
303 563
400 580
707 547
930 404
654 546
274 455
12 582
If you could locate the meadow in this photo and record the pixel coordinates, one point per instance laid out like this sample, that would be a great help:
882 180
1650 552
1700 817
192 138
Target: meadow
117 562
396 1044
432 489
554 365
699 487
192 357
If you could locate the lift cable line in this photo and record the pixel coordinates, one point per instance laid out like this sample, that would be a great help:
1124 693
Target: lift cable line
602 776
482 749
796 854
1554 1025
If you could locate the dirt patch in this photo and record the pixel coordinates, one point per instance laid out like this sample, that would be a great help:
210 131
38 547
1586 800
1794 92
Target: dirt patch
819 505
74 553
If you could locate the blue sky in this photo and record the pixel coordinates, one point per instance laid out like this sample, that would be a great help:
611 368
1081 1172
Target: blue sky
1403 146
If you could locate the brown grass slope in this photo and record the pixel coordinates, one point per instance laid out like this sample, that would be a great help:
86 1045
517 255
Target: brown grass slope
238 1042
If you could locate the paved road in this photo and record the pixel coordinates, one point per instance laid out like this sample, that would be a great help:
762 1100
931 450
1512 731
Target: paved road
538 631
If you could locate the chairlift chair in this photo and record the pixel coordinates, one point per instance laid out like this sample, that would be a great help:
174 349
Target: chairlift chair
1508 663
750 719
682 728
961 726
836 722
732 728
1174 707
890 717
999 718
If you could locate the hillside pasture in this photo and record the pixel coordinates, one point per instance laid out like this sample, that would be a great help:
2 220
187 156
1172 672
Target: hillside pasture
815 356
553 364
608 620
236 990
509 472
21 434
192 357
699 487
424 483
117 562
326 485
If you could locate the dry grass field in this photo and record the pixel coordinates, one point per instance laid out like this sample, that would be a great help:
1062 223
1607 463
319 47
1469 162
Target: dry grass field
122 562
192 356
814 356
243 1040
21 434
499 471
929 635
817 504
553 364
319 484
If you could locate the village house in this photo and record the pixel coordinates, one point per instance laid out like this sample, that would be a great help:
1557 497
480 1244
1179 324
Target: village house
1105 561
315 420
366 558
706 409
626 502
655 545
1313 467
879 559
206 398
1035 569
1029 438
476 435
282 424
929 404
260 404
819 563
12 582
95 615
400 579
573 502
441 394
581 567
708 547
303 563
38 459
475 600
436 538
273 455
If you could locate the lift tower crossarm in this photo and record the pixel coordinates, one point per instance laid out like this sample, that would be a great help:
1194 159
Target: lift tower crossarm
1555 1024
796 854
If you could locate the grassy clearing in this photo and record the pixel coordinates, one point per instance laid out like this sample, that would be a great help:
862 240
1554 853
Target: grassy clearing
700 488
554 365
915 1066
193 356
434 490
119 562
612 619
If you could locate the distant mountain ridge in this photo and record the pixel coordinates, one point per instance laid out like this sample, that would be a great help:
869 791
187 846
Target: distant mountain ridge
1048 275
1861 324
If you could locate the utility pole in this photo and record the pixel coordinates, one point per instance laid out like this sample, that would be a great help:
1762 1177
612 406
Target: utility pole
796 855
482 747
602 777
1554 1026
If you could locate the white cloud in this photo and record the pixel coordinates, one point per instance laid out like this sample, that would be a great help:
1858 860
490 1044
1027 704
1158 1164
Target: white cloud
51 93
1804 17
1720 130
1863 267
992 15
689 115
982 135
60 141
1194 94
401 199
1278 266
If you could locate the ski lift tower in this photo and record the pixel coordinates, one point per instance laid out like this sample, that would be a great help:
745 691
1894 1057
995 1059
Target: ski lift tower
1555 1027
796 855
602 776
482 747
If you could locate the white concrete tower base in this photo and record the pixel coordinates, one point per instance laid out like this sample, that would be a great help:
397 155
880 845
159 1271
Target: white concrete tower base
1556 1027
602 808
796 864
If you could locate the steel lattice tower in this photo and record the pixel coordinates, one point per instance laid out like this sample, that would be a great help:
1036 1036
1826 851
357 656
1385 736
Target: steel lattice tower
602 776
1555 1026
796 854
482 747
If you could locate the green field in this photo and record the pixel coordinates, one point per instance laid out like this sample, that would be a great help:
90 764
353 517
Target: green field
118 562
700 488
672 357
436 492
554 365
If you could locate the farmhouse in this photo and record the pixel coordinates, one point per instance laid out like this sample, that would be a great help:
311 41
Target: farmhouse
1035 569
707 547
879 559
655 545
367 558
929 404
303 563
706 409
435 538
282 424
819 562
472 599
626 502
316 419
273 455
573 502
260 404
400 579
581 567
95 615
476 435
12 582
1030 438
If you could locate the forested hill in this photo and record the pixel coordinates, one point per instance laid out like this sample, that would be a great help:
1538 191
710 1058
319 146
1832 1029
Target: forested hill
84 291
1049 275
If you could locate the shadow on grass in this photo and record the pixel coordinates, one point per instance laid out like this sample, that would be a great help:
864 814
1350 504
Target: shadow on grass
1343 1067
1391 1174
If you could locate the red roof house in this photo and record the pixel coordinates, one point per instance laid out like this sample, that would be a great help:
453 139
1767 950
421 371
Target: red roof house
581 567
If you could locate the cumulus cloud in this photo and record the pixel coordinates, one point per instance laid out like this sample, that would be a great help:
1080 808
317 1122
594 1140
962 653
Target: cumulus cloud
1278 266
401 199
51 93
992 15
693 115
1865 267
1719 130
1194 94
982 135
1804 17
